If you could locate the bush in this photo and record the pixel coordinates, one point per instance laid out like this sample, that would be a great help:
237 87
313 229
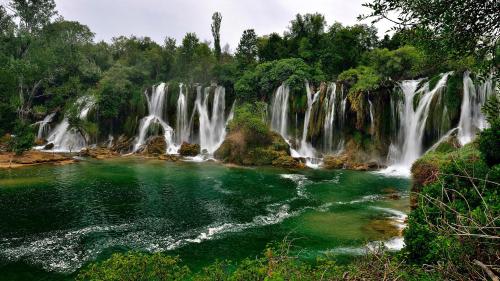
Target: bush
249 118
135 267
489 144
24 138
457 203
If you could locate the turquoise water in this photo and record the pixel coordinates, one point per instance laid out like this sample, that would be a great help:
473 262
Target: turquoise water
56 219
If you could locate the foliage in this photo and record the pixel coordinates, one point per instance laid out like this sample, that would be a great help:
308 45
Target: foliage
266 77
489 139
23 139
216 21
249 118
455 221
458 27
246 53
136 266
276 263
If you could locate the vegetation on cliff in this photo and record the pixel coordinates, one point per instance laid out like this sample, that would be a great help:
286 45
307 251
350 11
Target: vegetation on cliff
250 141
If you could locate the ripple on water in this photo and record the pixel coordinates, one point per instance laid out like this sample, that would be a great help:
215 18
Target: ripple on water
301 181
66 251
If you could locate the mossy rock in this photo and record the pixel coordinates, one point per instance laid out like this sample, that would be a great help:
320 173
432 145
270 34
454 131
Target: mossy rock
188 149
287 161
155 146
334 161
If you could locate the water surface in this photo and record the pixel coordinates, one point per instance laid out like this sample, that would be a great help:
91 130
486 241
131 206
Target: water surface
55 219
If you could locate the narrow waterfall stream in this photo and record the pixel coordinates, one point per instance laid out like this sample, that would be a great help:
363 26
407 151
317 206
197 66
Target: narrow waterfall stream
279 111
330 107
43 126
472 120
182 128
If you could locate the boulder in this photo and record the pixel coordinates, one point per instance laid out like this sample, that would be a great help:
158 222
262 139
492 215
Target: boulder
155 146
48 146
334 161
188 149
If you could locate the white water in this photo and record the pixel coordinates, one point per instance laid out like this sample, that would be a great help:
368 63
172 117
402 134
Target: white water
472 119
66 139
43 126
156 103
212 129
182 128
306 150
279 111
371 115
328 127
409 145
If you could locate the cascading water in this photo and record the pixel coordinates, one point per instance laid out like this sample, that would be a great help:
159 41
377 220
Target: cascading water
156 102
371 115
66 139
212 129
408 146
306 150
471 118
330 103
43 126
279 111
182 128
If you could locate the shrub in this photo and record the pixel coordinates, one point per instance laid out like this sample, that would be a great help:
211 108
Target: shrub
24 138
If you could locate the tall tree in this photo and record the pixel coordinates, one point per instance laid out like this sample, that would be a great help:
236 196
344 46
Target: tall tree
216 21
33 14
246 53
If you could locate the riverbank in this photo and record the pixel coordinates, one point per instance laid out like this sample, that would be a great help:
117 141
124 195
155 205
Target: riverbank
8 160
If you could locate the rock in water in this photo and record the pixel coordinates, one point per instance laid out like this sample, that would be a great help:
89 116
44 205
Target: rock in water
188 149
156 145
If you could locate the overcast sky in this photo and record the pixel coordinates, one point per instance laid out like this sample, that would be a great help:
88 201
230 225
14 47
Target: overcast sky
160 18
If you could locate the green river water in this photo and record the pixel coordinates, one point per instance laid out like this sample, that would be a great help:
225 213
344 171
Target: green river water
56 219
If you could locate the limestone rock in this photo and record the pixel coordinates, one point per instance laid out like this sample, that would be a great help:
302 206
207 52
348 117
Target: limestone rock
188 149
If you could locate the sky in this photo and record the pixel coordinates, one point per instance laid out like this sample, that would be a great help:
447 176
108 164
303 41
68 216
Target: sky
174 18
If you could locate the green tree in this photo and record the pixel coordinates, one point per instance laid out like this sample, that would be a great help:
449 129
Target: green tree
246 53
271 47
467 26
33 14
23 139
216 21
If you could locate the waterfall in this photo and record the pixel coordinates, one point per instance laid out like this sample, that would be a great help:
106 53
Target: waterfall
43 126
279 111
471 118
306 150
182 128
212 126
409 144
371 115
156 102
330 102
66 139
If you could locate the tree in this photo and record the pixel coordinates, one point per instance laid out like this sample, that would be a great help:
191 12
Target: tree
33 14
271 47
216 20
246 53
23 139
466 26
